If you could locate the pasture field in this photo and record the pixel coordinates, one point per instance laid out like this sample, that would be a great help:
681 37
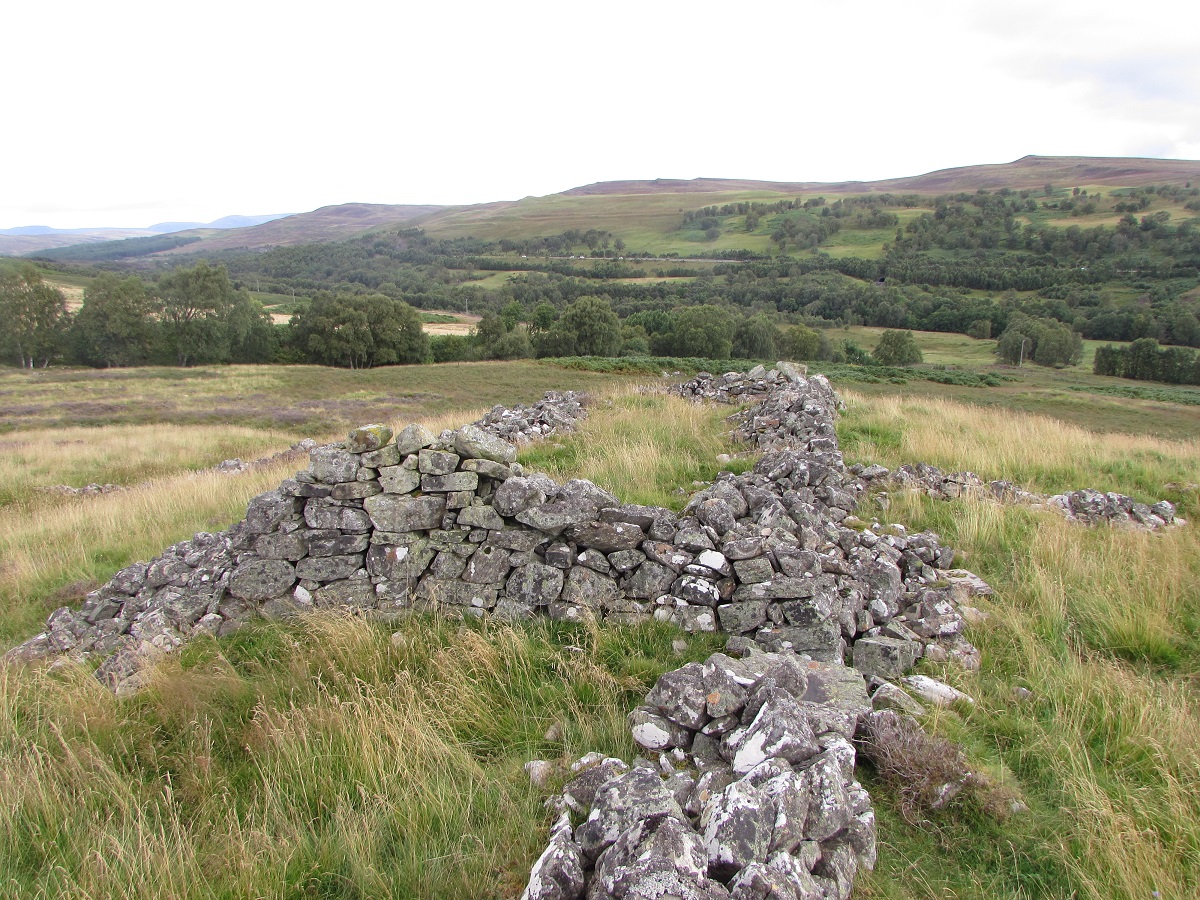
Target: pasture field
333 757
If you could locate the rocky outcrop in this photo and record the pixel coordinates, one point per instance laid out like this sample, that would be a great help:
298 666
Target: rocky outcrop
749 791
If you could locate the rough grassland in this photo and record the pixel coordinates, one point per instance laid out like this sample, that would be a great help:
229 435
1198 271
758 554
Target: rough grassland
1073 394
1102 626
312 399
337 758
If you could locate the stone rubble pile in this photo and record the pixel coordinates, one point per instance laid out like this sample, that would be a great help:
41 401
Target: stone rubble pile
753 794
559 412
236 466
1092 507
740 387
88 490
1086 506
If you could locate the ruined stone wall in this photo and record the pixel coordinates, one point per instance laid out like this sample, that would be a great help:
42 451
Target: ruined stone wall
749 791
389 524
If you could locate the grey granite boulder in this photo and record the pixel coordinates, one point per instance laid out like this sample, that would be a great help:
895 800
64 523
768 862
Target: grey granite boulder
262 579
396 513
367 438
737 825
621 803
471 442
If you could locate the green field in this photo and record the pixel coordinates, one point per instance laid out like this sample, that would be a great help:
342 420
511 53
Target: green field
1071 394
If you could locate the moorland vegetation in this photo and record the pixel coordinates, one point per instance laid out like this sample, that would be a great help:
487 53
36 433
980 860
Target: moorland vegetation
335 757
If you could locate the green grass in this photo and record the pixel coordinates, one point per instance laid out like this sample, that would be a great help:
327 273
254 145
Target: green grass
329 758
1103 626
653 365
645 448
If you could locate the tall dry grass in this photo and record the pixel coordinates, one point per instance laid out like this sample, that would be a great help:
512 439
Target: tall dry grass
327 758
121 454
1101 625
1039 452
645 447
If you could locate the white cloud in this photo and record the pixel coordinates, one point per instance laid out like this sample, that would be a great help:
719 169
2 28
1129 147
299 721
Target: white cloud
133 112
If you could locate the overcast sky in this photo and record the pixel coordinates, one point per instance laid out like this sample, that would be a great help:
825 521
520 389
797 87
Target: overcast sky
129 113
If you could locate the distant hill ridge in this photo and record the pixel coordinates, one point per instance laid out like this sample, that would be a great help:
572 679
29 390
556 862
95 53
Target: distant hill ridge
32 238
546 215
1025 173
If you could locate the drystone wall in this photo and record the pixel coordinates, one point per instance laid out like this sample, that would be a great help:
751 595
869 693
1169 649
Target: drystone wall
761 427
1086 506
387 525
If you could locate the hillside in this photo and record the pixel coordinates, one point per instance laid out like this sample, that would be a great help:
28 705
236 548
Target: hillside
329 223
1029 172
641 211
35 238
21 244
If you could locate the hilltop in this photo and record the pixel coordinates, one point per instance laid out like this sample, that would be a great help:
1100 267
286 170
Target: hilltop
1028 172
643 209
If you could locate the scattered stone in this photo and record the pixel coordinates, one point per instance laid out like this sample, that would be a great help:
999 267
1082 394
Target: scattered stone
933 691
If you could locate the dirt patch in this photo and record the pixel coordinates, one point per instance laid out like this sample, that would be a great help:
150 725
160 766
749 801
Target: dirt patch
73 293
462 329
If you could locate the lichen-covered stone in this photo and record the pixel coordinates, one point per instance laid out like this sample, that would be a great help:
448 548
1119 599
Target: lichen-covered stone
455 481
655 731
329 568
262 579
398 480
475 443
413 439
487 565
291 546
651 580
333 465
589 588
885 657
368 437
391 512
535 584
621 803
558 873
607 537
680 695
327 514
480 517
737 825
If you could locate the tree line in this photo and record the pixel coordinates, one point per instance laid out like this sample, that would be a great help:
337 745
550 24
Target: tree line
1145 360
190 316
